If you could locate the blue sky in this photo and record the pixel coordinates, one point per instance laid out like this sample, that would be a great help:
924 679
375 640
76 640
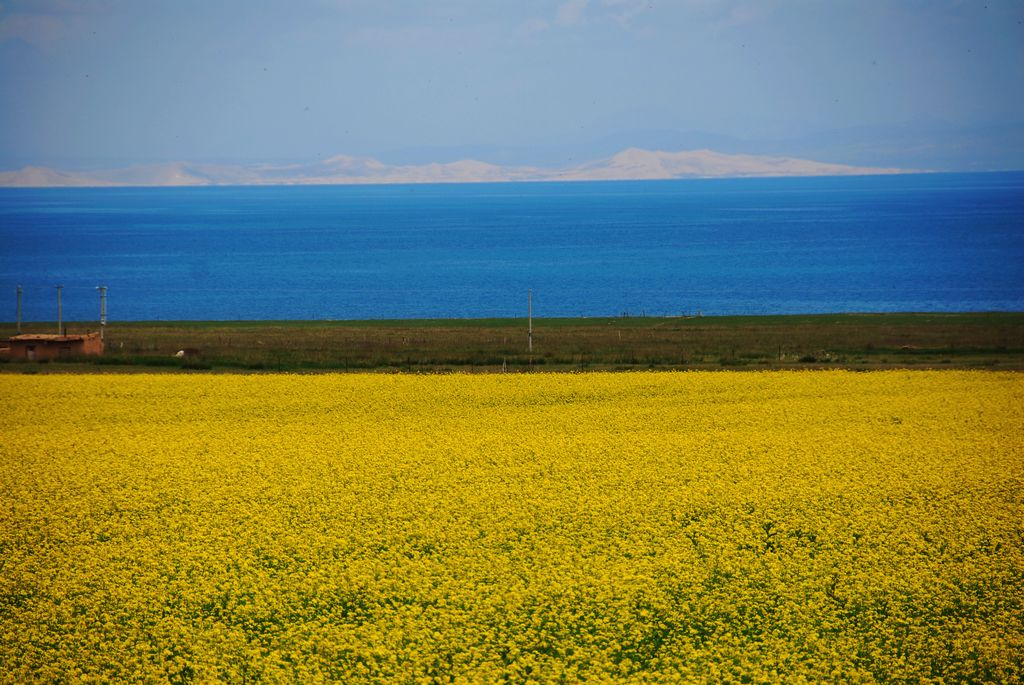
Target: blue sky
113 82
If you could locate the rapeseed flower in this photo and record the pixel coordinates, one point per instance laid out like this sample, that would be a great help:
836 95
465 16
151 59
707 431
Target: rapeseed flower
653 527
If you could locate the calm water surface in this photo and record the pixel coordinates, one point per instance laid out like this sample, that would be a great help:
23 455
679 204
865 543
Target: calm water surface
942 242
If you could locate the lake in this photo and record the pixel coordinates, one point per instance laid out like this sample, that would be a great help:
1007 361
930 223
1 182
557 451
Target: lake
923 242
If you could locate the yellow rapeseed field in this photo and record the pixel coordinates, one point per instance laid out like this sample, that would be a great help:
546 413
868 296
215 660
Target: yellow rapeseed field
651 527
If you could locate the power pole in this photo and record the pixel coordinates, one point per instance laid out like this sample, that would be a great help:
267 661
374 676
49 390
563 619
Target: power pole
103 309
19 309
529 328
60 318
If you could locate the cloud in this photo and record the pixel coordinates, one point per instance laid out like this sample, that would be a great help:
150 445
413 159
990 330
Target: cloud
531 26
571 12
45 24
39 30
622 12
577 12
748 13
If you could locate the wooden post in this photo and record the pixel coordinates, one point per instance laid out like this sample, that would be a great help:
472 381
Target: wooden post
529 330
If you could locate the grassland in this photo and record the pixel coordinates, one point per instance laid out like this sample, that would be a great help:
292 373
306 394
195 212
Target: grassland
837 341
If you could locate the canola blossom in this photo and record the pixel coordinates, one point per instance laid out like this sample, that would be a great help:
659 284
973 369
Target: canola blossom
649 527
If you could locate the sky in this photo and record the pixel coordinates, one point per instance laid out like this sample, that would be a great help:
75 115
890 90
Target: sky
94 84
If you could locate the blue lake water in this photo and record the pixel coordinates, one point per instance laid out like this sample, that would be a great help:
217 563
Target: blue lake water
935 242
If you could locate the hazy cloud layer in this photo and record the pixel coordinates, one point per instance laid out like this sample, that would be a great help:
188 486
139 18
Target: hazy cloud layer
120 82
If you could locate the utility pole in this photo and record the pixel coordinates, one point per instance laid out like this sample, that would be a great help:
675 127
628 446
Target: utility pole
529 328
103 309
19 309
60 318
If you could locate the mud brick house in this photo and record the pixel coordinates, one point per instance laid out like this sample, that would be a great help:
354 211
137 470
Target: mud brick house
39 347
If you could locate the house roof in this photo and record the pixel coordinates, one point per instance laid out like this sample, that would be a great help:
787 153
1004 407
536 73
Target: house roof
46 337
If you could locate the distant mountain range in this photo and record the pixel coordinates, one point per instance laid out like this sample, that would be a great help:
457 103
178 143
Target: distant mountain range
630 164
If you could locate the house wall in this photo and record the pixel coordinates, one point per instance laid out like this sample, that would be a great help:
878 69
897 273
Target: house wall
46 349
92 344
